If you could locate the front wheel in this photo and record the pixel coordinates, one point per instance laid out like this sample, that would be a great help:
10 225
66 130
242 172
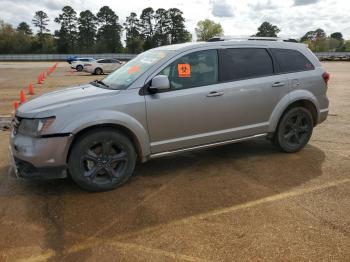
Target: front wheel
79 68
102 159
294 130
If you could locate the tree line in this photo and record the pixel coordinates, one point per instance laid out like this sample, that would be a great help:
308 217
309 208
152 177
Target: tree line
100 32
317 40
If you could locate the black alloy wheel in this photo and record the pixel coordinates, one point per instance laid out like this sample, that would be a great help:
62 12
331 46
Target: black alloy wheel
294 130
104 162
102 159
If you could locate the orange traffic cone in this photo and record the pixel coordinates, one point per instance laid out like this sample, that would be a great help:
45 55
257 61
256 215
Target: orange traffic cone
22 97
43 76
15 105
39 79
30 89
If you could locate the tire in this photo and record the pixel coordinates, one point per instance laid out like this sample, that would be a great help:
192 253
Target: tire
101 160
294 130
98 71
79 68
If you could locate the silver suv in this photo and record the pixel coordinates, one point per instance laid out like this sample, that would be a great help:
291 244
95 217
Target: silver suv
169 100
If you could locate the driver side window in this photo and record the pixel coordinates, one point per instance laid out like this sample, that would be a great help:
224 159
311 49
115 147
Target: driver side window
193 70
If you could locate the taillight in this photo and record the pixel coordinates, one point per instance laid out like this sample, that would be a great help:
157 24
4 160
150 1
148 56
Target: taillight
326 76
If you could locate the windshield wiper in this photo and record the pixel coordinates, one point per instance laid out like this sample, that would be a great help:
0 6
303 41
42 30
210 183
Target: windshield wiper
100 83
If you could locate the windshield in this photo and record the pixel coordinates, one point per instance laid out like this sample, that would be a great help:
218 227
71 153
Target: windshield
123 77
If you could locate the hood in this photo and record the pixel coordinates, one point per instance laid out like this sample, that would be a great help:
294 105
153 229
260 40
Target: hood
62 98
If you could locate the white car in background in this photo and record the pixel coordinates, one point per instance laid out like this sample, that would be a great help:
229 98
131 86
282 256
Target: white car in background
78 64
102 66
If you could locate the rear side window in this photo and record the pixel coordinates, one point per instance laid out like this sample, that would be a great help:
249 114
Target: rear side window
242 63
291 60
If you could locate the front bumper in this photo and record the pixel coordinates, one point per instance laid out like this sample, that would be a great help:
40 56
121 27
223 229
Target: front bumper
39 157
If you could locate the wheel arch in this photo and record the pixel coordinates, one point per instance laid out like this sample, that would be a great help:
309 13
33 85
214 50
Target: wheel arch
126 123
118 127
300 98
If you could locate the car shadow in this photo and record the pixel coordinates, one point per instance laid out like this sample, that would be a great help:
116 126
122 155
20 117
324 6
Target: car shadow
164 190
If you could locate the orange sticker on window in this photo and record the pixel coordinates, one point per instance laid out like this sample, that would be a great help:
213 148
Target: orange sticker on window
184 70
133 69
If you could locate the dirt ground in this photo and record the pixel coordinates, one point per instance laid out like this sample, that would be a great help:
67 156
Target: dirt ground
240 202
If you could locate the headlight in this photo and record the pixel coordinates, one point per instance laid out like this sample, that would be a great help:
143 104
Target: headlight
34 127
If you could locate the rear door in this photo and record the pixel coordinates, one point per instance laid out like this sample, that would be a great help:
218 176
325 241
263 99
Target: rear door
115 64
104 64
252 89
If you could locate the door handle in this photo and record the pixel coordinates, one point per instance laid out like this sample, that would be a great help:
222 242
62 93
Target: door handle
215 93
277 84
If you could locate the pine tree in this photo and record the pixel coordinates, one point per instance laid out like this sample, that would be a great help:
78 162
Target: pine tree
87 31
177 29
68 32
161 29
24 28
108 35
133 39
41 21
147 28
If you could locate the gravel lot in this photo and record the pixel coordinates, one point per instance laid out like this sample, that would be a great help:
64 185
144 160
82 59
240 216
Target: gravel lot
238 202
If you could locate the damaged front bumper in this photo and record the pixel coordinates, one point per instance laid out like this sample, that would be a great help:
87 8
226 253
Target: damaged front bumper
39 157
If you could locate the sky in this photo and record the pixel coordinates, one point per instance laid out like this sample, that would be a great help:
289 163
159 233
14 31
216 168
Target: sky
237 17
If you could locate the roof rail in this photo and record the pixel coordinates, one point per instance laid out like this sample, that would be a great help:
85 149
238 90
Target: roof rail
257 38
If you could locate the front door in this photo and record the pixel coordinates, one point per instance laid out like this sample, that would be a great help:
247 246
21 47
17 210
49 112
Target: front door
189 113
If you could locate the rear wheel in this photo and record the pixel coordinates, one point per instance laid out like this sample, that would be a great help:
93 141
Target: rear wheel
79 68
294 130
98 71
102 159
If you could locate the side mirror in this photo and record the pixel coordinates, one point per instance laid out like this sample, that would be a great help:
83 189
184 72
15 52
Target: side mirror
159 82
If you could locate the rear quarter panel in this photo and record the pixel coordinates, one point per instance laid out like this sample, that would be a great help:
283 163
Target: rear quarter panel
312 88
